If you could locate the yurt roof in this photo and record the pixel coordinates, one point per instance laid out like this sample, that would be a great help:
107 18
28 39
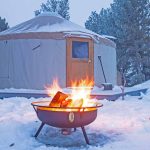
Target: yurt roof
42 25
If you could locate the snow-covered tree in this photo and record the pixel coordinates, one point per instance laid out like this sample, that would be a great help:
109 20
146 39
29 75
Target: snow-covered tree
3 24
63 9
59 6
93 22
99 22
129 22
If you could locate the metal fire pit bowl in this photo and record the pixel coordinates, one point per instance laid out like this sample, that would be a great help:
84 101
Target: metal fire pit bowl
68 117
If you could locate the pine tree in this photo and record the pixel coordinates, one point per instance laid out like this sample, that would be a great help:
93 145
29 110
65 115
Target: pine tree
102 23
93 22
144 42
105 21
59 6
128 21
63 9
3 24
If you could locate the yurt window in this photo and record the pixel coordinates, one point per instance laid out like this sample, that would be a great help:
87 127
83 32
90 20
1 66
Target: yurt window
80 49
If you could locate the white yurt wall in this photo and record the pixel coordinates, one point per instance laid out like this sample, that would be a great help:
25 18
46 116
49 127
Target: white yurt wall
108 57
34 63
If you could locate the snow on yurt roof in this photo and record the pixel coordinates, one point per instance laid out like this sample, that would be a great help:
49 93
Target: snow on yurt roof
45 23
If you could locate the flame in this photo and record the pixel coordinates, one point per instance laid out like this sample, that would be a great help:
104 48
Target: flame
79 96
54 88
81 91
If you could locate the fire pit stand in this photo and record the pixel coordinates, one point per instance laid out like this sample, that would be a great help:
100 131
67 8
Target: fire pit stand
82 127
68 117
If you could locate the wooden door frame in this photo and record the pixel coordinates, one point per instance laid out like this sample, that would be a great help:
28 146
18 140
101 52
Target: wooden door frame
69 51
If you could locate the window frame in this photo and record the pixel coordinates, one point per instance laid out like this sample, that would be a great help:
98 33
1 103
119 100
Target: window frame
80 58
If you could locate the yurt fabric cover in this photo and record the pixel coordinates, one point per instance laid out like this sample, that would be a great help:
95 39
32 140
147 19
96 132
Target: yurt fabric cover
33 53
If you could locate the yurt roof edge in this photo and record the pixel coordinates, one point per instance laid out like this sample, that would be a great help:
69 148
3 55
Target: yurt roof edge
51 26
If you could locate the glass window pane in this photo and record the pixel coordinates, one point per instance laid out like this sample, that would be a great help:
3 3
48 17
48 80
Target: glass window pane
80 49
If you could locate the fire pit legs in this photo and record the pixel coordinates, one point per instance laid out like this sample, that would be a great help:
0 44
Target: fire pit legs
82 127
40 128
85 135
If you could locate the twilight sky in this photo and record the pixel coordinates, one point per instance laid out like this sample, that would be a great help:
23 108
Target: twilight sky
17 11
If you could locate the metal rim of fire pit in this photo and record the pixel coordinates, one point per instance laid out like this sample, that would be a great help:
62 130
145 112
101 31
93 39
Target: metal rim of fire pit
80 110
35 104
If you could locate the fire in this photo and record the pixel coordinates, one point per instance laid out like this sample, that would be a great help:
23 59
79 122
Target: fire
78 97
54 88
81 91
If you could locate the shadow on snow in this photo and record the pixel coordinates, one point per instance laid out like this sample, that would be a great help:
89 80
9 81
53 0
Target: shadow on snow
53 137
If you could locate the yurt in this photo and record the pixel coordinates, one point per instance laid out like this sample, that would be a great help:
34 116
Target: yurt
35 52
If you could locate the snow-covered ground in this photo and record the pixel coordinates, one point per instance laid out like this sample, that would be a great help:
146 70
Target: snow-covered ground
95 91
120 125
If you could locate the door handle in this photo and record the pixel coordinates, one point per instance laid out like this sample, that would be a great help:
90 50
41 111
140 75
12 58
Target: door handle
89 61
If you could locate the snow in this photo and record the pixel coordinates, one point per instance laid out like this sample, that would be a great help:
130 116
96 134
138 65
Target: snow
95 90
144 84
57 26
109 37
13 90
46 13
64 26
120 125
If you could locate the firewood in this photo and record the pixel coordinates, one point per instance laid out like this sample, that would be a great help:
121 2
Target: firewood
57 99
66 103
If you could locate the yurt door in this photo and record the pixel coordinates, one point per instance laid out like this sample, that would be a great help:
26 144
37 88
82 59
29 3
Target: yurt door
80 59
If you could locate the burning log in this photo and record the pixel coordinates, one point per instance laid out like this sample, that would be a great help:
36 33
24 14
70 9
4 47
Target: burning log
62 100
58 99
66 103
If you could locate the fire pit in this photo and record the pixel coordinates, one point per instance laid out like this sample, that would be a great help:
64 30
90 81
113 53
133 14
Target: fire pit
69 117
67 111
